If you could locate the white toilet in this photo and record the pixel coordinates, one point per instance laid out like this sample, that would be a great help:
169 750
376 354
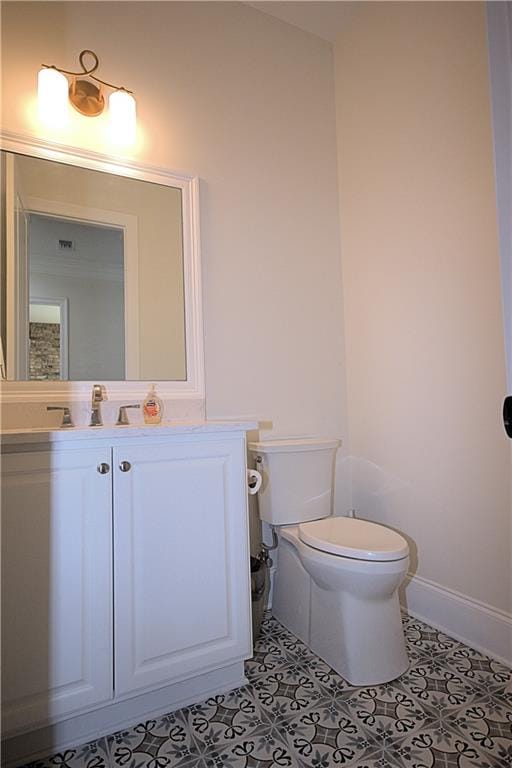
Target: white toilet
337 579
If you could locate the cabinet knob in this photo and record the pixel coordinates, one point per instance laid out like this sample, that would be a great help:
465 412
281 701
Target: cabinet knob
125 466
103 468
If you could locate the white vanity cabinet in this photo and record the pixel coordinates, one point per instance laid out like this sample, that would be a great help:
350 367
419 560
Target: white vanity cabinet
56 584
180 560
123 581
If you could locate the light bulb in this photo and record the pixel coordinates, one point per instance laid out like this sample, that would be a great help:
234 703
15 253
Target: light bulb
52 97
122 117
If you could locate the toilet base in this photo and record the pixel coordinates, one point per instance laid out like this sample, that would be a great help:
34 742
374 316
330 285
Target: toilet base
369 650
347 612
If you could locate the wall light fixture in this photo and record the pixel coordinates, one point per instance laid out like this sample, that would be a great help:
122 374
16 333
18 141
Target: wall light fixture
85 91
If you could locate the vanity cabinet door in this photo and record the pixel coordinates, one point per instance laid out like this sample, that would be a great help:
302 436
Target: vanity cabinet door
182 581
56 585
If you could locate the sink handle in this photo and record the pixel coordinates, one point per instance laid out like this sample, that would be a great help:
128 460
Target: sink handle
66 414
122 416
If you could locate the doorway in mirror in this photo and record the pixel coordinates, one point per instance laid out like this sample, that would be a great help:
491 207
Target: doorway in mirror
48 339
83 264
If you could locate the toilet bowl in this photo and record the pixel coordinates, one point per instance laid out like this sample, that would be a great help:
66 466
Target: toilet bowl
337 578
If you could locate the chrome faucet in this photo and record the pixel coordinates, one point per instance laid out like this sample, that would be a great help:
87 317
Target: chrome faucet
97 398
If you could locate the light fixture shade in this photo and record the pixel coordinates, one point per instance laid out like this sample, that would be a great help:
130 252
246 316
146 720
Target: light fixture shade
122 117
52 97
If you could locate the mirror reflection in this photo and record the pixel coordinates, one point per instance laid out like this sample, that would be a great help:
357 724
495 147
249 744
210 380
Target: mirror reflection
92 274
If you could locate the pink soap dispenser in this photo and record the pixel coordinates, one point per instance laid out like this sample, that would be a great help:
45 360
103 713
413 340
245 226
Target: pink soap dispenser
152 407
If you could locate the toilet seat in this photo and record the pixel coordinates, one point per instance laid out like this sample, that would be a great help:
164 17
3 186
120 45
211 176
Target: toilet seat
357 539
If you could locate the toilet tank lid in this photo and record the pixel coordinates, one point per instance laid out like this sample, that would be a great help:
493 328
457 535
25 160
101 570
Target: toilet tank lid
294 444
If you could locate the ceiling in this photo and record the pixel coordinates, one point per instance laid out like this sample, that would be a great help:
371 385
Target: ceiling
324 19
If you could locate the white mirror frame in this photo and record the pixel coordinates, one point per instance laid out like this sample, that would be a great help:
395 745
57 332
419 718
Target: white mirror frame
193 387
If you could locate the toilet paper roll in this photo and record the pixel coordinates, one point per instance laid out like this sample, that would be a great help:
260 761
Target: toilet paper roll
254 480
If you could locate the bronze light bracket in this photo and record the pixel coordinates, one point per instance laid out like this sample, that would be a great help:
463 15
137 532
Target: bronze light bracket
86 97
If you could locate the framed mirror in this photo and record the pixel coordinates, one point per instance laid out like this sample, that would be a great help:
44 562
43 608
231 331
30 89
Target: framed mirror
100 272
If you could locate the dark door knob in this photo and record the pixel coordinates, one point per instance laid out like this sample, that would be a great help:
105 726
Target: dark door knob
507 415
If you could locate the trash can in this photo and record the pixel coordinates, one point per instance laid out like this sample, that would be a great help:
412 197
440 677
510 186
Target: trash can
258 584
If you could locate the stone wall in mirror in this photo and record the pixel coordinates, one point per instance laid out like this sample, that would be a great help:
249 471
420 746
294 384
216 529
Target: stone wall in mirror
100 273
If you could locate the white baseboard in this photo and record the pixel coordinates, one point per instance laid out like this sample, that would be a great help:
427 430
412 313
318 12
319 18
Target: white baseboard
480 626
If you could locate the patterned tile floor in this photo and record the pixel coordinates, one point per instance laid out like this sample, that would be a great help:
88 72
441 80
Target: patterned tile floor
449 710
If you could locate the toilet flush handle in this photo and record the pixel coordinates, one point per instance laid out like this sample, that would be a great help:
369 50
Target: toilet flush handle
254 481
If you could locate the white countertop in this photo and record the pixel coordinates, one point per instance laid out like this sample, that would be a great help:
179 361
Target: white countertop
110 432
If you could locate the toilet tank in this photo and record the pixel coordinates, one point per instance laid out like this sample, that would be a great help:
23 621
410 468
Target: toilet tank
298 478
